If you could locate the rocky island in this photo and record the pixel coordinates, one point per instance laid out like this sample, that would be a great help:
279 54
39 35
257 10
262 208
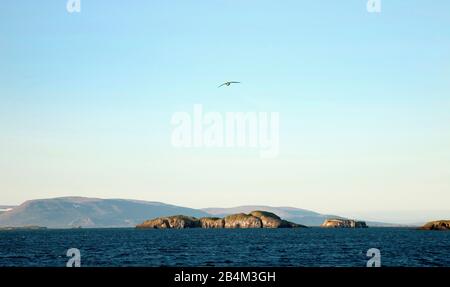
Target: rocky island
255 219
343 223
437 225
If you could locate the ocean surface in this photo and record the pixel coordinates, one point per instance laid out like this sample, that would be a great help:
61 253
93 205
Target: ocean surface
225 247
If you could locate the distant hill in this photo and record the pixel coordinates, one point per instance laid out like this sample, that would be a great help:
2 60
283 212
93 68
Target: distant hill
69 212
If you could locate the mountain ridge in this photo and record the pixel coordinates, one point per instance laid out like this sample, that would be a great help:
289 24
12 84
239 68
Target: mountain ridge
70 212
77 211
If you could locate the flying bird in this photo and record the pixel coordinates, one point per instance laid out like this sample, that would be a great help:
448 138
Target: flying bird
229 83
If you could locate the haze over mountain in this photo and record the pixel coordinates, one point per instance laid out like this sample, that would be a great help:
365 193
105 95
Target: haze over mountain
70 212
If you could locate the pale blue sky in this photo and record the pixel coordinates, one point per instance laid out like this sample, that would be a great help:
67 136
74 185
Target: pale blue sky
364 100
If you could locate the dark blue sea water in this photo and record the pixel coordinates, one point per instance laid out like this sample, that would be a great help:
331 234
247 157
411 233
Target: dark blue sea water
226 247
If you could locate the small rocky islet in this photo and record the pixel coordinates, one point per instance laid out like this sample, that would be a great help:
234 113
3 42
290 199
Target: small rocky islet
437 225
343 223
255 219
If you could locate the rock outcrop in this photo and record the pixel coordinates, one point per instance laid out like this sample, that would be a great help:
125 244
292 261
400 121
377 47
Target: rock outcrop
256 219
437 225
212 222
343 223
176 222
271 220
242 220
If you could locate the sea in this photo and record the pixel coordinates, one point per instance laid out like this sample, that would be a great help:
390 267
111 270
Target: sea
302 247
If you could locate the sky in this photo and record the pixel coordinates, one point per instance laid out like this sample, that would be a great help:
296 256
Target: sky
86 101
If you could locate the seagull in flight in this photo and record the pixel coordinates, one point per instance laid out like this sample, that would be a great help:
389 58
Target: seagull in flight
229 83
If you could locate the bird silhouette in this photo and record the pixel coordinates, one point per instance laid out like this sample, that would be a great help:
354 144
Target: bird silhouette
229 83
